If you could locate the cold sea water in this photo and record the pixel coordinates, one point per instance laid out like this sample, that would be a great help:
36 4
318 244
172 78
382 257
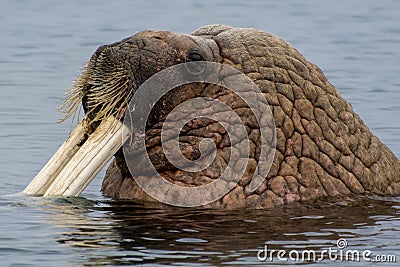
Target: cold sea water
45 43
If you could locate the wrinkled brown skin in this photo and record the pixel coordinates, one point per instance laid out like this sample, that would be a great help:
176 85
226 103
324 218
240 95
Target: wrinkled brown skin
323 148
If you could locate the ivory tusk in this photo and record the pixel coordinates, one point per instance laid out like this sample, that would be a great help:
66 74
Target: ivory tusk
42 181
91 157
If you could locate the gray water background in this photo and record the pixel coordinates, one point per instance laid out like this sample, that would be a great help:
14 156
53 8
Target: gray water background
45 43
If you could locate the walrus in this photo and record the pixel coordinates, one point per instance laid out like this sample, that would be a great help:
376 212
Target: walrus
323 148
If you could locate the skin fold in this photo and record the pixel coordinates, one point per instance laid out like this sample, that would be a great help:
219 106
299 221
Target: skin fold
323 149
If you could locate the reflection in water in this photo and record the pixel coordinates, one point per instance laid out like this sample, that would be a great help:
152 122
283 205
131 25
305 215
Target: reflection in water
110 232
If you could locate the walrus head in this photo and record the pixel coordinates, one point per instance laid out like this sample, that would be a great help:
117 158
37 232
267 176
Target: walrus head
322 147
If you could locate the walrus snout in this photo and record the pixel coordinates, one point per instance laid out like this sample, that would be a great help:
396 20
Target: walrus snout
115 71
108 82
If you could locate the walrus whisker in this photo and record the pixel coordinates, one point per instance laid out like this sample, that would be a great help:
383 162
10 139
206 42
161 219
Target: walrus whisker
71 103
105 90
112 98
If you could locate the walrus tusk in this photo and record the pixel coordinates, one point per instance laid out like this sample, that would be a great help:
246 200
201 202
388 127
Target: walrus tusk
84 163
46 176
101 145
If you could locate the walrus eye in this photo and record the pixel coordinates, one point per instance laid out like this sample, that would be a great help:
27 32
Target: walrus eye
194 56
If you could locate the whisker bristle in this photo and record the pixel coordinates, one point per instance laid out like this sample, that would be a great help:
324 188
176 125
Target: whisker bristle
106 92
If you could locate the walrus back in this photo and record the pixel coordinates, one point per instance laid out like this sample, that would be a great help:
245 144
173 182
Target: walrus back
323 146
